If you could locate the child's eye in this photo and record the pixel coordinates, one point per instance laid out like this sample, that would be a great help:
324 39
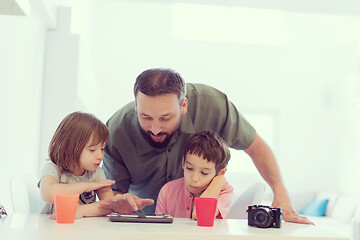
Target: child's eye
189 168
92 150
204 173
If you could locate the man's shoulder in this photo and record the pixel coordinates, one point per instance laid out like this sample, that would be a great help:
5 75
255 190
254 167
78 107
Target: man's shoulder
122 117
199 89
205 102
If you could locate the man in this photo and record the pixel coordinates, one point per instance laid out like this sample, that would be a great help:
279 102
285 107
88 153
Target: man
148 136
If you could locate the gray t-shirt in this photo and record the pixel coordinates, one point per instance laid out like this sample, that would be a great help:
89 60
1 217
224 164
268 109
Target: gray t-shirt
51 169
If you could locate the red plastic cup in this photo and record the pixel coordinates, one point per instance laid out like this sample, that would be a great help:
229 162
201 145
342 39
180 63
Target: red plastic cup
205 211
65 207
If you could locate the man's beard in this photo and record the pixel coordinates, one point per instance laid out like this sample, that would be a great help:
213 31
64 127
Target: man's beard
147 135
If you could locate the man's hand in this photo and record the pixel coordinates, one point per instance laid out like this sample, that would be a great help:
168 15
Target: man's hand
265 161
126 203
293 216
289 214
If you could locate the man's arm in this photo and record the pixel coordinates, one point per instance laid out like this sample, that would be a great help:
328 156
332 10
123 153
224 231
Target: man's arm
125 203
265 161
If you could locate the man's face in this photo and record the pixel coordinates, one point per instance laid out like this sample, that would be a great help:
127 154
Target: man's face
159 116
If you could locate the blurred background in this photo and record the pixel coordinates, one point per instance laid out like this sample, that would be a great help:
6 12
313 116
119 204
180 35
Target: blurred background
291 68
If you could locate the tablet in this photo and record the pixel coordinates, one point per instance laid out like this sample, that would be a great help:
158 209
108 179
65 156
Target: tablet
140 218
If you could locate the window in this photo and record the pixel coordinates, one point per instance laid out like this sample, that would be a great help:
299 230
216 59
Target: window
264 123
212 23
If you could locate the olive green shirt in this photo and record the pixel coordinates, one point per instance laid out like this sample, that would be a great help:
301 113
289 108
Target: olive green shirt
141 169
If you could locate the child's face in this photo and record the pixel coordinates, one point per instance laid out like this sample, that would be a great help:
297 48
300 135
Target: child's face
198 174
91 156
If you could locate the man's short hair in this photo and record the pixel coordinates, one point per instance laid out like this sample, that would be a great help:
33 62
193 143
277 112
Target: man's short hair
209 146
159 81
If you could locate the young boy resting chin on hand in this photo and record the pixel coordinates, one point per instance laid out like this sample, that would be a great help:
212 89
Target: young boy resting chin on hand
206 156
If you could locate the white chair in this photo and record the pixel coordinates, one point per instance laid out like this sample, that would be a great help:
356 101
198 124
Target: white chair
251 196
25 194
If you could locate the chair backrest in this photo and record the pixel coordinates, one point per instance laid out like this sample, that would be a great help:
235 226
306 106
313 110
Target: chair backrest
251 196
25 195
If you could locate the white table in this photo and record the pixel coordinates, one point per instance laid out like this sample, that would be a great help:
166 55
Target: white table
37 226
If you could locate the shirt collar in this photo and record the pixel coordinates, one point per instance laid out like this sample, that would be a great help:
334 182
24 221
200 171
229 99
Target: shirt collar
187 126
186 191
141 143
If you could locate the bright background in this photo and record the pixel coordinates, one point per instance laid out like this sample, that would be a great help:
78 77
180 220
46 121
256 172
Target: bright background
290 67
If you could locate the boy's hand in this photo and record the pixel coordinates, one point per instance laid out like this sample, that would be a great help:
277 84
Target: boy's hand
218 183
193 215
99 184
220 180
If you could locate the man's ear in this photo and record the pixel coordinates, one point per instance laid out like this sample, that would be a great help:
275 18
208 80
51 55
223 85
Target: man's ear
222 171
183 163
184 106
135 106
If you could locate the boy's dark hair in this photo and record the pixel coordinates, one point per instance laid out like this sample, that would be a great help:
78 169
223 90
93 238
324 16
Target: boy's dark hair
71 137
209 146
159 81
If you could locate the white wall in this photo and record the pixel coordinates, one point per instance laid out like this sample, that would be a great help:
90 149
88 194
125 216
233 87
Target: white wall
305 76
304 73
22 41
60 79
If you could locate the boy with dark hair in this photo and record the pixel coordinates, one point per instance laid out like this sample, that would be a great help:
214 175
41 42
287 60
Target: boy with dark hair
205 158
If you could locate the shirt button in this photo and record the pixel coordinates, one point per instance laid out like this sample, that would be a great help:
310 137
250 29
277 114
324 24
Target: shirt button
190 195
187 208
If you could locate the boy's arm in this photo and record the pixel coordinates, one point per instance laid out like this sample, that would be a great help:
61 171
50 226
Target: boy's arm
49 186
213 191
161 202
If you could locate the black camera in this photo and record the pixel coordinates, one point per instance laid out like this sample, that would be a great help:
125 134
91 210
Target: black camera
264 216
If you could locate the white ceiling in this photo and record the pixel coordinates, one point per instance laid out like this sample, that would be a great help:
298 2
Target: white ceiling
14 7
333 7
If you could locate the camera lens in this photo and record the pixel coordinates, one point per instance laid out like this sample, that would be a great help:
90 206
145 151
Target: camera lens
260 217
263 217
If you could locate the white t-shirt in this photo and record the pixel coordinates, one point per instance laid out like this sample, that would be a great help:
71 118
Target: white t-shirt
51 169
